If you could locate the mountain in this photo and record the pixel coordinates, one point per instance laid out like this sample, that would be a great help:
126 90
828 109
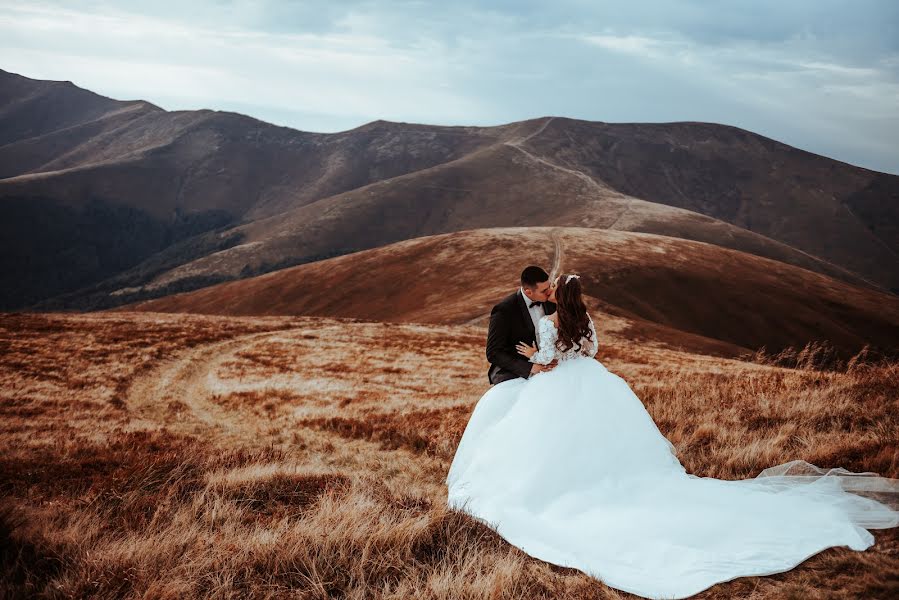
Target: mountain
841 213
108 202
501 191
692 295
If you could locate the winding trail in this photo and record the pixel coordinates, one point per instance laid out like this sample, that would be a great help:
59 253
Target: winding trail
186 379
558 253
612 225
517 144
601 188
579 174
536 132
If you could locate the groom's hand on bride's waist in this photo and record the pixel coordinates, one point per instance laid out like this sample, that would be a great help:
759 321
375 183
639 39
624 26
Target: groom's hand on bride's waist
538 368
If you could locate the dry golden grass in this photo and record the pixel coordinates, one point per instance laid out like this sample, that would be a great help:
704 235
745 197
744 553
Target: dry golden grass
171 456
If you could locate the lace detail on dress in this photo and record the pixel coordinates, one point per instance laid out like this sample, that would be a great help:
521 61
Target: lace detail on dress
547 335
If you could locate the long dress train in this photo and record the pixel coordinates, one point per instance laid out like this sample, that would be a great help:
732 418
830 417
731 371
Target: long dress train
570 467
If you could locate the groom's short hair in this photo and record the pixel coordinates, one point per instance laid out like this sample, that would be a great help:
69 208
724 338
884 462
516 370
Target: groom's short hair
533 275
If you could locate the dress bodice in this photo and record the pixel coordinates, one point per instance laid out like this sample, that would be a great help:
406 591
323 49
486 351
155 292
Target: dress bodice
547 335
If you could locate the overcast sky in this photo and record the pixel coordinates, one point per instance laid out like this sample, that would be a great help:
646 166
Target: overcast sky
821 75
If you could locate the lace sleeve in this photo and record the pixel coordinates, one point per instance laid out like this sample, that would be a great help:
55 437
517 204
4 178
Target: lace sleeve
589 347
546 342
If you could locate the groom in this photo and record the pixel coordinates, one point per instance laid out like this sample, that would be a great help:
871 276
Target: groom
514 319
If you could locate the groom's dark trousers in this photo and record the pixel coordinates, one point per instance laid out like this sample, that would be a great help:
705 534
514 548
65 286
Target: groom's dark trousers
510 323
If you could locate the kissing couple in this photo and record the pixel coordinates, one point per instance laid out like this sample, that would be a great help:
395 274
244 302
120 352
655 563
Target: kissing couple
563 460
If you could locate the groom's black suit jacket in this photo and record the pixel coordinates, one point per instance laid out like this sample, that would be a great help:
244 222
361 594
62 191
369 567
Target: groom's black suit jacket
510 323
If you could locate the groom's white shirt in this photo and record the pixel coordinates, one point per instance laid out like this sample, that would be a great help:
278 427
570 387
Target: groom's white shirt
536 312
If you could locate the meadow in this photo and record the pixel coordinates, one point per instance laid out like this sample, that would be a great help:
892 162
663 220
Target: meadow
161 455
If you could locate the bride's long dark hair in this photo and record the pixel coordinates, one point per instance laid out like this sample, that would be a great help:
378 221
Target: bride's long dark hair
573 320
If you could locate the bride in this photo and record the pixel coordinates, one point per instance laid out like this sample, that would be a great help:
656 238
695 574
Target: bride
570 467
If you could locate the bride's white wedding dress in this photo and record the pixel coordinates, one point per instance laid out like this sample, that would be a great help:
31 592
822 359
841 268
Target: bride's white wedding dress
570 467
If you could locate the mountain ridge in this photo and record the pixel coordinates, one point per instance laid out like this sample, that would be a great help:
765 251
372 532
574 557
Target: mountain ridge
733 301
211 176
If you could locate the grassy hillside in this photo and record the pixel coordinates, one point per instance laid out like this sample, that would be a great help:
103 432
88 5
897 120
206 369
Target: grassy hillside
172 455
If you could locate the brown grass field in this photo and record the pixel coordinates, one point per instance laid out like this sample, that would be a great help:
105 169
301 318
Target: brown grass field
161 455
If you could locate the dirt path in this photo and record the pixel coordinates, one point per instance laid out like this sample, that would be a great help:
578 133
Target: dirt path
558 253
186 380
517 144
579 174
537 132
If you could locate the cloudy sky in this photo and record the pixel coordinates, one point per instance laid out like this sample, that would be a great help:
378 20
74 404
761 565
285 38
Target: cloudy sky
821 75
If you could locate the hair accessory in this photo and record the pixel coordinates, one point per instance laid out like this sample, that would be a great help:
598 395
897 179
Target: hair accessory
570 277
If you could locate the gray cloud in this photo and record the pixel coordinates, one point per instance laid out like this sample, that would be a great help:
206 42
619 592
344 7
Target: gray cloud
821 75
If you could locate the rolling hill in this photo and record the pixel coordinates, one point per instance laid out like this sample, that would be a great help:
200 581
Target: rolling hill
109 202
692 295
